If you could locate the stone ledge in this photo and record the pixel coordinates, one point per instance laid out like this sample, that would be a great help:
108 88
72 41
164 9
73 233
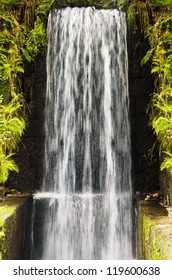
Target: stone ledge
154 232
15 227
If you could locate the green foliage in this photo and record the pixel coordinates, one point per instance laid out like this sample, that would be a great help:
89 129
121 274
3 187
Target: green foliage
106 4
36 40
123 4
147 57
139 13
22 37
11 2
161 2
154 17
161 107
10 59
6 165
167 163
8 66
12 125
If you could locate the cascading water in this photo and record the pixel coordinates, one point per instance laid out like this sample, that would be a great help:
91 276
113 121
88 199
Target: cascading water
85 208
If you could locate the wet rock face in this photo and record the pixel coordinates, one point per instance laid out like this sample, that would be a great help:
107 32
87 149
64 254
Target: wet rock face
154 232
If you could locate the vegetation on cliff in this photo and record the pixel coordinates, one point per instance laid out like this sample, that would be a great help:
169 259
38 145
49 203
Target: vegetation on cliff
154 18
23 36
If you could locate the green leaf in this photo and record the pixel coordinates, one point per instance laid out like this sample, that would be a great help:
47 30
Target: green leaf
6 165
161 2
167 162
11 2
147 57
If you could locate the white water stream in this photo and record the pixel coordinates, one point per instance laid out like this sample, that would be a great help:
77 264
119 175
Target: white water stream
85 208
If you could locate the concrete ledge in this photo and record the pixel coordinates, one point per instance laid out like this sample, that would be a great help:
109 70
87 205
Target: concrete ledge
154 232
15 227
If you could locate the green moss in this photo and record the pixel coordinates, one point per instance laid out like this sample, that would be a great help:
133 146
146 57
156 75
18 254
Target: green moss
152 239
156 252
15 226
7 214
154 232
104 4
166 186
147 227
11 2
2 237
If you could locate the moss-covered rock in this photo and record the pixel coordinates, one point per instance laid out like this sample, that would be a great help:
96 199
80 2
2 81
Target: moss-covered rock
95 3
15 226
154 232
84 3
72 3
11 2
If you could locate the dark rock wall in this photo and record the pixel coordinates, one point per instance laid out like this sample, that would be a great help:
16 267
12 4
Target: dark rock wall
31 151
145 166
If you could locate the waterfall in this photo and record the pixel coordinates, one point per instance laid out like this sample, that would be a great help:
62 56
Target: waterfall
85 208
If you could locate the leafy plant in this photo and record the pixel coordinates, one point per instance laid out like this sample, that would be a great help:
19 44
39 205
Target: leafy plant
22 37
12 126
166 164
161 106
161 2
6 165
12 2
155 19
36 39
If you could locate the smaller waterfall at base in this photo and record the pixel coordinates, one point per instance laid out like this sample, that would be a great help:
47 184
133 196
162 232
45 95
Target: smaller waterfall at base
85 208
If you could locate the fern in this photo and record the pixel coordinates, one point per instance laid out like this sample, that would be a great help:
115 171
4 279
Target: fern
36 39
167 162
147 57
6 165
155 20
22 37
161 2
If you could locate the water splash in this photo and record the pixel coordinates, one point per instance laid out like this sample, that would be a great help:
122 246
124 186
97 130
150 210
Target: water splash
85 209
